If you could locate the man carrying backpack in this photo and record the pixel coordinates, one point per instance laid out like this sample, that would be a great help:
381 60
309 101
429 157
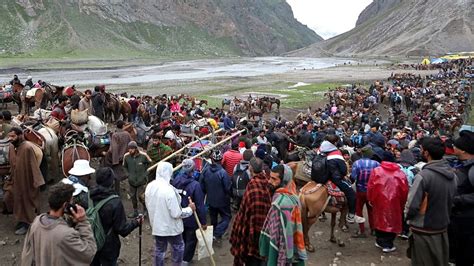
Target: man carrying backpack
241 178
336 171
217 185
111 218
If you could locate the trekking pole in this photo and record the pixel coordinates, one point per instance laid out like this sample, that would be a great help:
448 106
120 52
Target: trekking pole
140 241
204 238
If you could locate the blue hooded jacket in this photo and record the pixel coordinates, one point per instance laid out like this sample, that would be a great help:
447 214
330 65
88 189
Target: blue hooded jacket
188 187
216 183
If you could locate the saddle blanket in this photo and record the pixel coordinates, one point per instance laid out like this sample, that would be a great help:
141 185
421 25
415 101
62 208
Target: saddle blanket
31 92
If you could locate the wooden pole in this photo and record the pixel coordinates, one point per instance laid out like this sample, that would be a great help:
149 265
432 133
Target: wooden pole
180 150
204 238
212 147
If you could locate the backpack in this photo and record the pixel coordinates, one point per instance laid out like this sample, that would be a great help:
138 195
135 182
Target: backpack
240 179
93 217
358 141
319 172
410 172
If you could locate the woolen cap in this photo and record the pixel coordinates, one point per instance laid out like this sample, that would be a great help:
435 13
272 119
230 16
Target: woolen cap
465 141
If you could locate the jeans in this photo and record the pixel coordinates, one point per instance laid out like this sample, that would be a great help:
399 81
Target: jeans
360 202
221 227
190 243
161 244
345 187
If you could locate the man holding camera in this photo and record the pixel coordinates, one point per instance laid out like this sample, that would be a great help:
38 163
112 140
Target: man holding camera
51 241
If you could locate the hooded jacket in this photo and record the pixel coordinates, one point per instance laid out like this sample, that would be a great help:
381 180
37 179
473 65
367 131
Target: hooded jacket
188 187
164 204
217 185
336 165
431 197
113 218
387 192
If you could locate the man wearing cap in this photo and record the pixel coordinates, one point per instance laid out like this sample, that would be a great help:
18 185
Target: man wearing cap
281 239
135 164
216 184
187 187
117 149
361 170
251 217
113 218
80 177
29 82
461 233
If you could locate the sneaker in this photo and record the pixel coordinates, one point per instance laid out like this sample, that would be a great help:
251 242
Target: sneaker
351 218
378 246
388 250
404 236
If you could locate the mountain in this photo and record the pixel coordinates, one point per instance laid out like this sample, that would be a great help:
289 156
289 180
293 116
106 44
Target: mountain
159 27
404 28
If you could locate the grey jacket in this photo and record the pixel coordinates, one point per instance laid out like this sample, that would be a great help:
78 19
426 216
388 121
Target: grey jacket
431 197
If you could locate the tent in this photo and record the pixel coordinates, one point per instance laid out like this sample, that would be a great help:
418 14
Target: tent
438 60
425 61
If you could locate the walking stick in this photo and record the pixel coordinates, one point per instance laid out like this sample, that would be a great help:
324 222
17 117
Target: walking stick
204 238
140 241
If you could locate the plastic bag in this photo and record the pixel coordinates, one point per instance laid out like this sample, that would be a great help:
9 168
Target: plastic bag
201 246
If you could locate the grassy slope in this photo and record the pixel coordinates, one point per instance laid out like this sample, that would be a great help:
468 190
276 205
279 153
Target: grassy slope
298 98
60 31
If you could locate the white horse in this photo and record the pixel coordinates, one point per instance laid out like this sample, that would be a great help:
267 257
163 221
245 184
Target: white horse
51 151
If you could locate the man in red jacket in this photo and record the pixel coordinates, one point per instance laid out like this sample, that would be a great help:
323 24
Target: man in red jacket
387 192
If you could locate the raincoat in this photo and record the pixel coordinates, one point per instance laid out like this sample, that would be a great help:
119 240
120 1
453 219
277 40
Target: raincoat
387 192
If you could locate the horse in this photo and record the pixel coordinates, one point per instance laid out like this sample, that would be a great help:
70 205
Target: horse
111 107
225 102
255 112
71 152
125 110
314 200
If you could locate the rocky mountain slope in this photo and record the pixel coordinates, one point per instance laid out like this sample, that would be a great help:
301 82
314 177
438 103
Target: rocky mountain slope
404 27
162 27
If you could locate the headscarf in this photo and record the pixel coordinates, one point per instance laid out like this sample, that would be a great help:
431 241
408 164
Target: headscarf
327 147
164 171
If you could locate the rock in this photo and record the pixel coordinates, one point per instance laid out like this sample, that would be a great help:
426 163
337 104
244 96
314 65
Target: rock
372 264
338 254
382 258
3 243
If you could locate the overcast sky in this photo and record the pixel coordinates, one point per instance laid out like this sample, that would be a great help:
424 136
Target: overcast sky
328 18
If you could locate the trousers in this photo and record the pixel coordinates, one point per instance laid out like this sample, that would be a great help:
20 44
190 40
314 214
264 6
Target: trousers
177 252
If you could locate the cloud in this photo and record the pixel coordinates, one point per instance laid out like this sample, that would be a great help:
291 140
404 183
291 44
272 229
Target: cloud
328 18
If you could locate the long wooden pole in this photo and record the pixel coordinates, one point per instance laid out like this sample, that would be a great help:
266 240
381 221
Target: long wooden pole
213 146
184 147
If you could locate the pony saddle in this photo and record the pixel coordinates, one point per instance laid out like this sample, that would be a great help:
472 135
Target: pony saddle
337 197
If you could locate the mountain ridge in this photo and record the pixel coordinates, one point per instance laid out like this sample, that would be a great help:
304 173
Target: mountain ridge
162 27
404 28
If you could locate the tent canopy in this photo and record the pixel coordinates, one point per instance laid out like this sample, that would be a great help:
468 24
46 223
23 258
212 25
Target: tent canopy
425 61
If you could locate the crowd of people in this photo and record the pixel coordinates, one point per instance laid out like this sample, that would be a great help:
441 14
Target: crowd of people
396 141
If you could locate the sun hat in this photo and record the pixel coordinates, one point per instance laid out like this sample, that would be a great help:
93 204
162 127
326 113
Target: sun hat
81 167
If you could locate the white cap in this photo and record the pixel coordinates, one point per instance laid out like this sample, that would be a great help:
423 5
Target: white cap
81 168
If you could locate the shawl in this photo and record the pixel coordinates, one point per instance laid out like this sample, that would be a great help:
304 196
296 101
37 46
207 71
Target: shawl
249 220
281 239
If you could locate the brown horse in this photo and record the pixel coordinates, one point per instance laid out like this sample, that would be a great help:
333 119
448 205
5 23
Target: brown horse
112 107
314 200
125 110
71 153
